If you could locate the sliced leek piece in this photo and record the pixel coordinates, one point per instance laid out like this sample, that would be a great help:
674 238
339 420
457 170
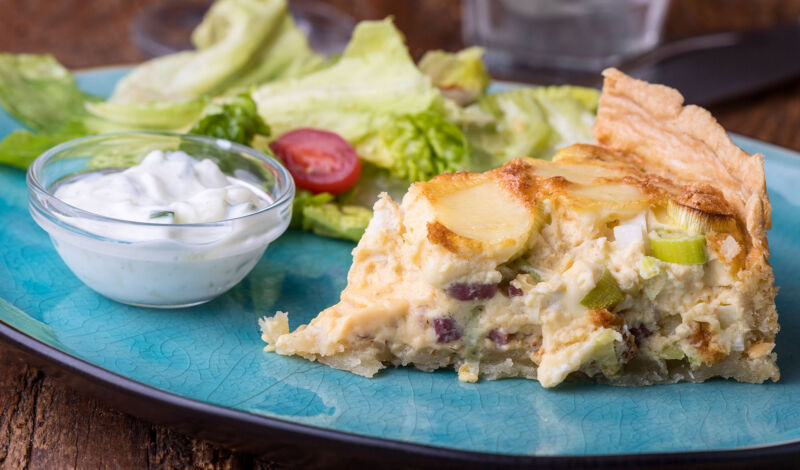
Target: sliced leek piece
534 275
605 294
654 286
678 248
507 271
524 266
510 270
474 337
605 354
649 267
672 351
696 221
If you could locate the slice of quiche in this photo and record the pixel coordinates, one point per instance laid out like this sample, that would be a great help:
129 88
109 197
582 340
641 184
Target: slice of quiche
639 260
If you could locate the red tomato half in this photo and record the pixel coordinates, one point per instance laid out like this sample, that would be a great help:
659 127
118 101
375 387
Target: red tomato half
320 161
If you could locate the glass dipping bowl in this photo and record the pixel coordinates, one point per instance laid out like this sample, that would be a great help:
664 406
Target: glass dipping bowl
152 264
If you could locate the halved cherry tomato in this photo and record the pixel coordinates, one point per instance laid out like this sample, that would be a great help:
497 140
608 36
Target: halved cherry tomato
320 161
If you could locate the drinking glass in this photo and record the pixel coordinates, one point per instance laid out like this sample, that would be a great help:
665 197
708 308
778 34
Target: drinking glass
578 35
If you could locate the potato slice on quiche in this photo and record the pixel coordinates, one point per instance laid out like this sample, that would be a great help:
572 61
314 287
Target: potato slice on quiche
639 260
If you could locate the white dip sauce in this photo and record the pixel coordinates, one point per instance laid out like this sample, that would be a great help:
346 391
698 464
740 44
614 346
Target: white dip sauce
170 188
154 264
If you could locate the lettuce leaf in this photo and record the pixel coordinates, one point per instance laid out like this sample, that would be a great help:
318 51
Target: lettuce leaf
373 181
530 122
374 78
461 76
570 112
173 93
319 213
112 116
42 94
286 54
303 199
21 147
239 43
415 147
376 98
331 220
517 126
39 92
237 121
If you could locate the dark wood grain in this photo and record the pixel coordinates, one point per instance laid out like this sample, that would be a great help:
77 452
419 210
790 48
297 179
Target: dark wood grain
44 425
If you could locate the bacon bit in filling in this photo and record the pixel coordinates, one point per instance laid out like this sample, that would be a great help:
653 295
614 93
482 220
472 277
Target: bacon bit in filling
471 291
446 330
499 336
514 291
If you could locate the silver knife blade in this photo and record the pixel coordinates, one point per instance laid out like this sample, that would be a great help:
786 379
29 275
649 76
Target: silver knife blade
719 67
706 69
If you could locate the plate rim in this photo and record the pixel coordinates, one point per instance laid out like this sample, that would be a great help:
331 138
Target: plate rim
342 443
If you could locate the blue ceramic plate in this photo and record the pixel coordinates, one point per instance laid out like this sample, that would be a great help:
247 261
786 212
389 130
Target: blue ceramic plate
204 368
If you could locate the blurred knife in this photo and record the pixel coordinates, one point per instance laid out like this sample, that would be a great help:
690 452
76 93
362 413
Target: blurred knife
706 69
718 67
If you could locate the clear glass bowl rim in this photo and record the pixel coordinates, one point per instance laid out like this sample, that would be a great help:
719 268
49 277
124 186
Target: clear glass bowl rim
36 188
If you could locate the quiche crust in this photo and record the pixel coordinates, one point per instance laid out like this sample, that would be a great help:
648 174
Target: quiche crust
549 270
650 124
652 127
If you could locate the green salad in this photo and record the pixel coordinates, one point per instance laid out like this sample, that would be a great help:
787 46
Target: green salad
347 127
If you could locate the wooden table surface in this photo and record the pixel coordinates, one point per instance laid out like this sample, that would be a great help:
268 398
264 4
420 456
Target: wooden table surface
45 425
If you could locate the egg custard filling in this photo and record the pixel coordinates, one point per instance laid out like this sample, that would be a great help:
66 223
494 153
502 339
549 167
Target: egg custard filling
639 260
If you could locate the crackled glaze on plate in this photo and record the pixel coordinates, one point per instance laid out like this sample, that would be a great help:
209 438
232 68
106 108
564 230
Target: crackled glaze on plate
213 353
